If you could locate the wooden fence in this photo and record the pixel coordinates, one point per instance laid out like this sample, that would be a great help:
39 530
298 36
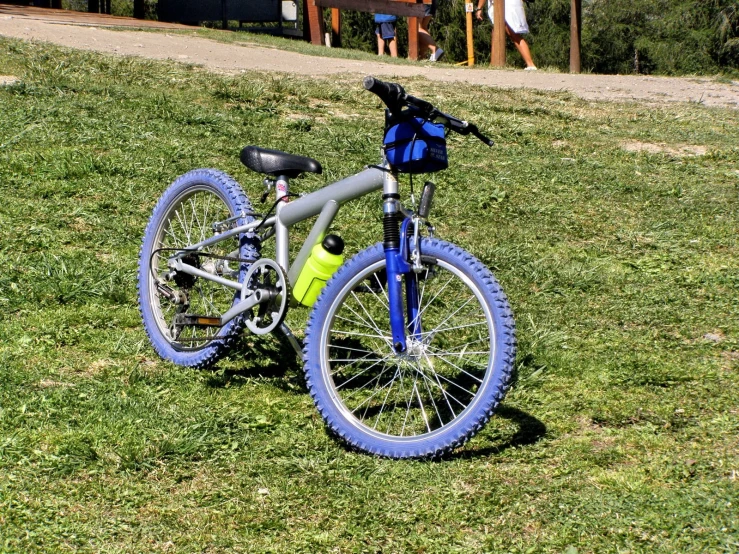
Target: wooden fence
412 9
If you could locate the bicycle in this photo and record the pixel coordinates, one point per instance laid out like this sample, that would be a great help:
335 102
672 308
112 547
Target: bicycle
409 346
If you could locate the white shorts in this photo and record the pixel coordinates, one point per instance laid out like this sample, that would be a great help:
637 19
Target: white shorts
515 16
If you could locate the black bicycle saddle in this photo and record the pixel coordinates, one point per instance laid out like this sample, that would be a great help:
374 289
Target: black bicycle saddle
275 162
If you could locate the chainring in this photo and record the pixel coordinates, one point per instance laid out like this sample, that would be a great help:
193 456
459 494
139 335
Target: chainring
268 277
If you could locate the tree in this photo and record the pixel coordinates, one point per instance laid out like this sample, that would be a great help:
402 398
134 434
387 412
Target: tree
668 37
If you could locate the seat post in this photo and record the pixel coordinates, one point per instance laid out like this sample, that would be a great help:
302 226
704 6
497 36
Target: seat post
282 187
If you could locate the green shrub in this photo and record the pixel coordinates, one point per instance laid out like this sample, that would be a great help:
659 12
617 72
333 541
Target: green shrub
668 37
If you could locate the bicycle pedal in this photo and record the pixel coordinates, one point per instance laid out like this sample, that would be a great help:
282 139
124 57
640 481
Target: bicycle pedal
193 320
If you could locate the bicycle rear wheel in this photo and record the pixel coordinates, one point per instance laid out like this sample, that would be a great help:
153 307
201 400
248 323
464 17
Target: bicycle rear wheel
182 330
444 388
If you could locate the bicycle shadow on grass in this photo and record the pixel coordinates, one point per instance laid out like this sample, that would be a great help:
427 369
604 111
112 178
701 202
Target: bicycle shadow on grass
270 360
530 431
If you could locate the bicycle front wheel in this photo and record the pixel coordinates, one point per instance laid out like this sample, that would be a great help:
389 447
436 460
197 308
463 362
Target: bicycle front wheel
444 388
174 305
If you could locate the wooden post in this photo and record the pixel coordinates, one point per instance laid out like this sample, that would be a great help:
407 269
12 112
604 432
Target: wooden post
575 34
497 52
469 9
306 20
336 27
315 18
413 38
139 9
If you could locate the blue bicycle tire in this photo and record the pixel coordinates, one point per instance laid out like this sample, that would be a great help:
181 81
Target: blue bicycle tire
186 209
337 356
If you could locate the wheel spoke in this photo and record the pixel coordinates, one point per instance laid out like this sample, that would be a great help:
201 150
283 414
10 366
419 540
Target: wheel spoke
434 331
367 335
359 374
347 348
445 360
454 384
384 401
431 396
422 310
437 330
386 302
423 411
356 360
371 322
378 391
443 390
408 405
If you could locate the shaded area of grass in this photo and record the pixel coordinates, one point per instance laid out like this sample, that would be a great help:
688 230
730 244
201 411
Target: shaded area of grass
621 266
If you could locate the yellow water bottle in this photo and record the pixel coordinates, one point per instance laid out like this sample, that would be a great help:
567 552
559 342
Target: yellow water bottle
324 260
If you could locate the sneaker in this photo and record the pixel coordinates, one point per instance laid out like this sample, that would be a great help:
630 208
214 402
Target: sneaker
436 56
531 68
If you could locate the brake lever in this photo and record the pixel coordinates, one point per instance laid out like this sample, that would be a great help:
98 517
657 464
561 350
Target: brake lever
485 140
457 125
466 128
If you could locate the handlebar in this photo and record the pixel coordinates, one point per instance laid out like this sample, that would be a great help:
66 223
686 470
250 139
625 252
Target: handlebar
395 98
392 94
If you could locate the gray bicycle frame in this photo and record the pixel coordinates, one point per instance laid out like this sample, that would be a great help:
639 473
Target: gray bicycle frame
324 203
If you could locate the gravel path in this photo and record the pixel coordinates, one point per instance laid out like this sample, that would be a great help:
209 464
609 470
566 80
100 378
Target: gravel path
233 58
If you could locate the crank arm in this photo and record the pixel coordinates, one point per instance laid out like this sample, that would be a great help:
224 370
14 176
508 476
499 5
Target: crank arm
256 297
193 320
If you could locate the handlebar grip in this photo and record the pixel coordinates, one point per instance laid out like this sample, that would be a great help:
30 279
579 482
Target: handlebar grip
483 138
475 132
391 94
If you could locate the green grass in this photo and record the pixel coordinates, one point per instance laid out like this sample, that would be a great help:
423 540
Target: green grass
619 434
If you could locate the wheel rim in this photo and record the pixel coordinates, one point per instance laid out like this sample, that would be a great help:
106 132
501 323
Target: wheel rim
430 388
189 221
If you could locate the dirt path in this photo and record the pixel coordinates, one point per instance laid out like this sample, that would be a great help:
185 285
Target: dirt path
233 58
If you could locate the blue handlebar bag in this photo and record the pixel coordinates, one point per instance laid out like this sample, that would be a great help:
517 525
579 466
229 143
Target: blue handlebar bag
416 146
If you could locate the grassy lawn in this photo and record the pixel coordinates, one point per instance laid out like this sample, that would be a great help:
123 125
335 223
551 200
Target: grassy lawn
612 228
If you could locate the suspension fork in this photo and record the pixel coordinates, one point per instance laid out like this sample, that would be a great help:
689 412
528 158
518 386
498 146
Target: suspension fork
398 270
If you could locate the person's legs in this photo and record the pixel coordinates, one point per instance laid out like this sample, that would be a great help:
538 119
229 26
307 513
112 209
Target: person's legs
425 41
386 32
521 45
380 44
393 46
